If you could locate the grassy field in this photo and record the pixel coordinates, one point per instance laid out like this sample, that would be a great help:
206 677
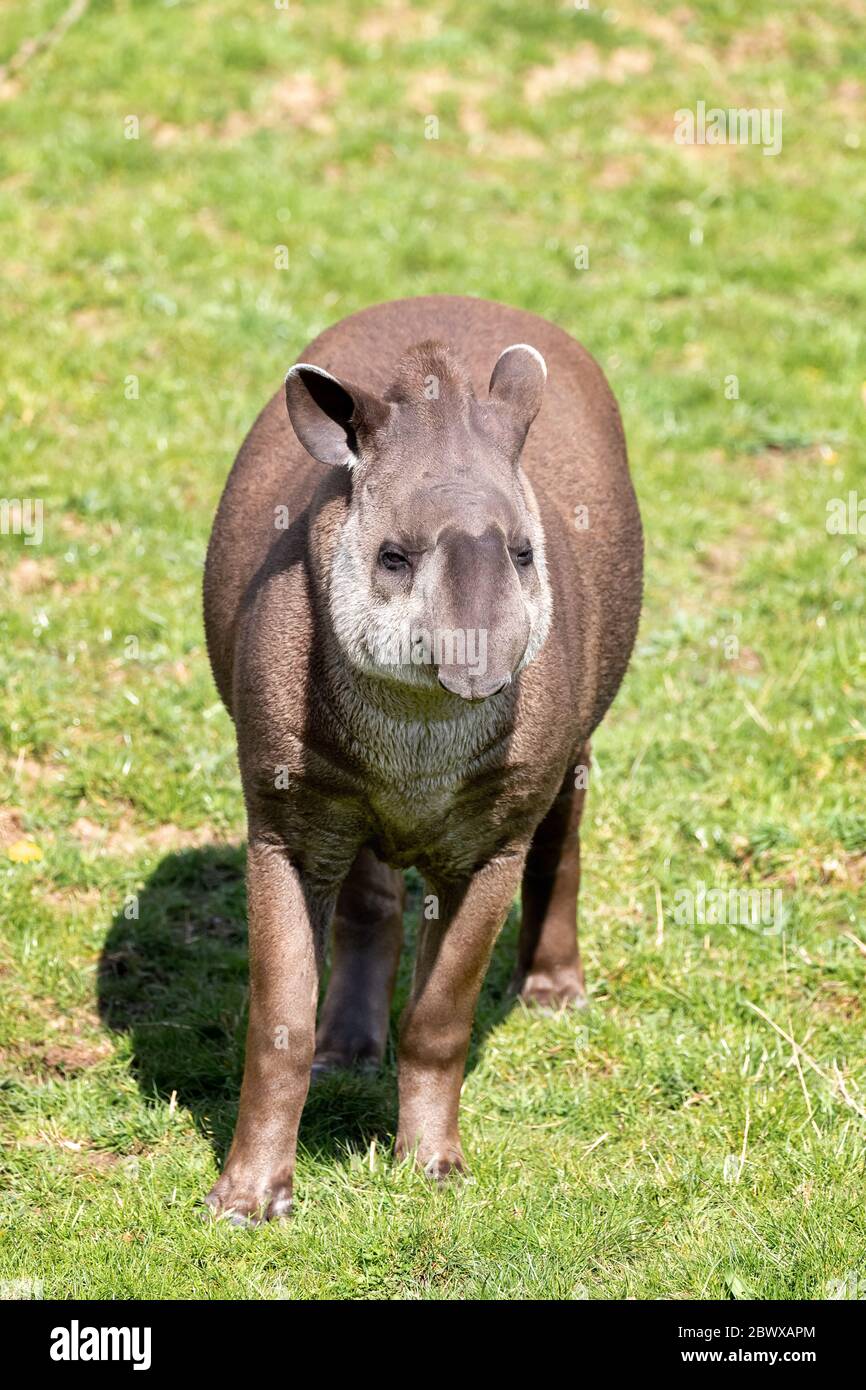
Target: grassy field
188 193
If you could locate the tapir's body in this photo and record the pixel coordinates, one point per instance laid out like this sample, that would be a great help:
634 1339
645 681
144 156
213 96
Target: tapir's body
352 770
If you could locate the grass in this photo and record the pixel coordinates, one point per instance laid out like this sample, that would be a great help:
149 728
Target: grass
670 1141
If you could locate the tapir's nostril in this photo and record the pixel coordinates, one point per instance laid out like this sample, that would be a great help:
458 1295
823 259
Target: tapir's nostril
472 687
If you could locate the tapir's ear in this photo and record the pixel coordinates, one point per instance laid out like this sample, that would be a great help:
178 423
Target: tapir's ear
518 382
329 415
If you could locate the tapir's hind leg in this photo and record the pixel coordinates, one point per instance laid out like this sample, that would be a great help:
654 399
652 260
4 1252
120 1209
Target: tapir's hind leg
549 971
366 938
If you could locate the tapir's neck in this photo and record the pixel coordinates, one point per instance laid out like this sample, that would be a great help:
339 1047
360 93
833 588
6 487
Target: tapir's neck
409 734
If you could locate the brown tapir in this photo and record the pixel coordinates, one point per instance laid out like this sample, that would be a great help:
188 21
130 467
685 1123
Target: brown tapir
418 608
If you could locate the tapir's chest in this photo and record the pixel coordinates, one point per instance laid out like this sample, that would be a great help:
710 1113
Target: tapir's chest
438 795
437 822
432 796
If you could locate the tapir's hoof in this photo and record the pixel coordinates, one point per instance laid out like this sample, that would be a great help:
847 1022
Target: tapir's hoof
553 990
210 1212
240 1204
438 1166
364 1060
443 1167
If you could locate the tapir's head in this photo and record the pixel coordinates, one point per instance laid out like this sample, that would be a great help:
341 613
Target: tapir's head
439 572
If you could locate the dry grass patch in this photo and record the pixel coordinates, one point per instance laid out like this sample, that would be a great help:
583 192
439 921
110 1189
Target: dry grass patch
301 101
584 64
126 838
397 22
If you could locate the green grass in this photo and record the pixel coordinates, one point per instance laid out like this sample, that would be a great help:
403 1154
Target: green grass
665 1143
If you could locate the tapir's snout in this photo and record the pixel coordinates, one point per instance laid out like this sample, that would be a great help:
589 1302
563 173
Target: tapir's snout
484 624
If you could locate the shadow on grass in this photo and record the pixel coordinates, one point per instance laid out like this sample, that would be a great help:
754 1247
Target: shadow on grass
175 980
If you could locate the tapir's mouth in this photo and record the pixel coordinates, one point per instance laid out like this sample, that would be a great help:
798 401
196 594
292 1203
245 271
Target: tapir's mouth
472 688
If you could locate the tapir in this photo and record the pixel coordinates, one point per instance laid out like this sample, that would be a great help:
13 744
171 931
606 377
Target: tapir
421 594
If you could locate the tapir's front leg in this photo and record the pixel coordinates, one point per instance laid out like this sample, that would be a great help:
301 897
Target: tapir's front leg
287 923
453 954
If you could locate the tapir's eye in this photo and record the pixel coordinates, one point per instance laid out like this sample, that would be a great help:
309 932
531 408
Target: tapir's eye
523 556
392 558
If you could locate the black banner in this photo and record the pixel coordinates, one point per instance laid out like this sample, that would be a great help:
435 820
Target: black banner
66 1338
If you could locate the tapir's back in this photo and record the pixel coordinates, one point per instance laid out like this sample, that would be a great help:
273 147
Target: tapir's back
574 456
